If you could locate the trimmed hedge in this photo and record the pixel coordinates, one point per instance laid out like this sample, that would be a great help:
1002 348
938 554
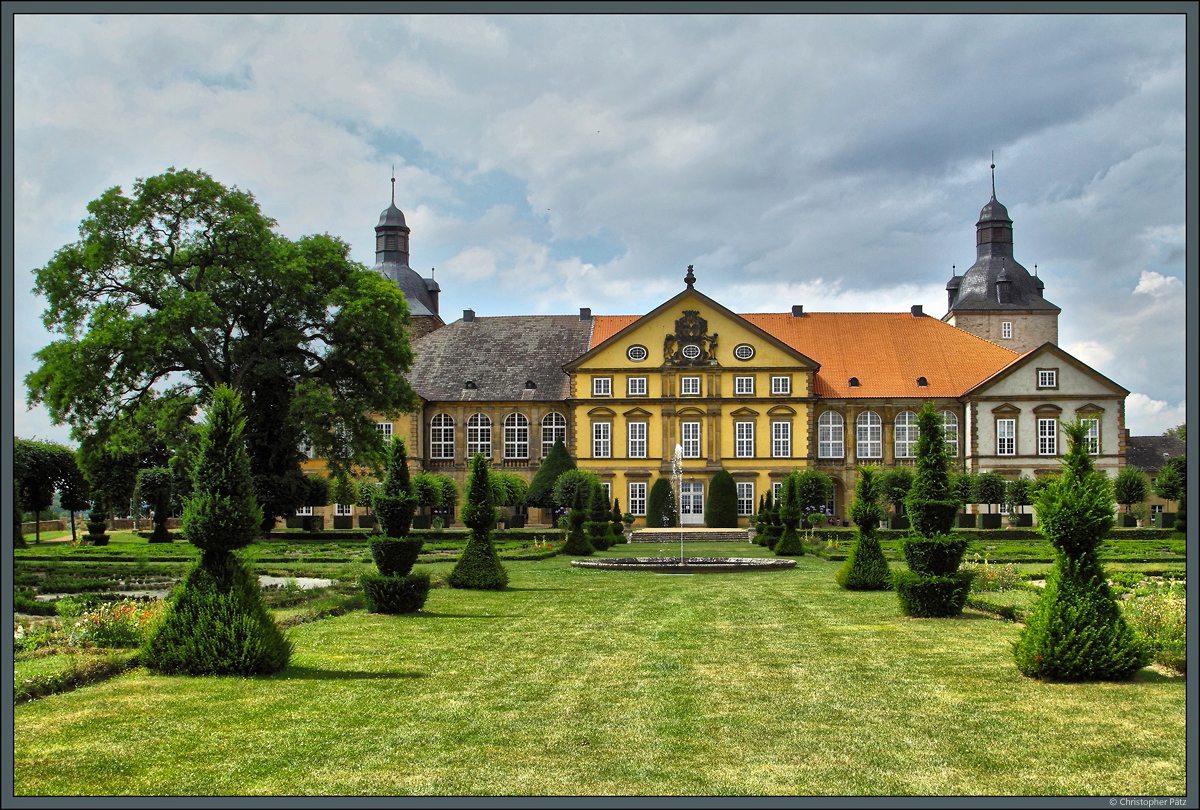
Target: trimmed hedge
865 569
394 557
395 594
937 556
931 597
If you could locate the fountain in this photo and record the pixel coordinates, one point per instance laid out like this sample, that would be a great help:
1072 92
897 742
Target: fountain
685 565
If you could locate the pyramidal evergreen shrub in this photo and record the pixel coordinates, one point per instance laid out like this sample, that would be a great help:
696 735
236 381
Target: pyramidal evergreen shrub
933 587
215 622
720 511
660 505
790 514
599 531
1076 631
479 566
865 568
395 589
395 503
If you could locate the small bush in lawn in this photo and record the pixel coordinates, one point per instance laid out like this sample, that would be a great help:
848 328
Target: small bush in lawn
394 557
395 594
597 526
988 577
790 513
865 568
931 597
479 566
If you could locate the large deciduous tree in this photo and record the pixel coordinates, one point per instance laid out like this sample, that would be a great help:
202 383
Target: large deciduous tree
184 285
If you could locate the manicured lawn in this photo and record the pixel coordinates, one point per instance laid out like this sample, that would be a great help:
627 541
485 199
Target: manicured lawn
577 682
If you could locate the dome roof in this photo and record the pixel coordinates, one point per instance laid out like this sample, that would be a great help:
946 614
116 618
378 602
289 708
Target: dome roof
993 211
954 283
392 216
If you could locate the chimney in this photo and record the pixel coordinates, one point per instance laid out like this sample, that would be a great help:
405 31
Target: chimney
916 311
797 310
585 313
468 315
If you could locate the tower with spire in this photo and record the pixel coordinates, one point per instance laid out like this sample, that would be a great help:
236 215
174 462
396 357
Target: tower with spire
996 298
391 262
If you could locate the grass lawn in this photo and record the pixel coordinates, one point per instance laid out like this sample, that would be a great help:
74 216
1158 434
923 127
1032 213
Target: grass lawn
578 682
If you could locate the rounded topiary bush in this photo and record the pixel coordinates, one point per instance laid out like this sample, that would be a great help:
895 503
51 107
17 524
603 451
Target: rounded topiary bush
216 624
394 557
931 597
789 544
936 556
599 534
395 594
865 568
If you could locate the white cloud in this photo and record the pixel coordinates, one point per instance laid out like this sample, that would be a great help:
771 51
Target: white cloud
1158 285
1150 417
1093 353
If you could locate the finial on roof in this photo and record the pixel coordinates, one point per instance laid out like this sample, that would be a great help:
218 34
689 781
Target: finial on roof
1035 271
394 185
690 278
953 270
993 174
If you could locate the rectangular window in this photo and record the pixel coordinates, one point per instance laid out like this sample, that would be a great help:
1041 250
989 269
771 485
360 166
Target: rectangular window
602 386
776 486
601 440
781 385
1093 436
1006 329
479 436
781 440
607 487
745 498
635 387
304 511
1047 437
637 498
743 439
637 439
1006 437
343 510
689 386
743 386
1047 378
385 428
689 433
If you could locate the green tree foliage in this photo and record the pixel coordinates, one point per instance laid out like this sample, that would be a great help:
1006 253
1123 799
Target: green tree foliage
41 469
660 506
74 495
813 490
479 566
1177 432
894 485
343 490
395 504
511 488
989 489
720 511
184 285
572 490
1170 481
1077 630
599 532
541 488
154 488
112 474
1131 486
963 486
865 568
1017 493
790 514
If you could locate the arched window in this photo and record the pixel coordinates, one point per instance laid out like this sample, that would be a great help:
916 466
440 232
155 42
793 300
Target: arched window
831 442
441 436
479 435
950 428
868 435
516 436
906 434
554 427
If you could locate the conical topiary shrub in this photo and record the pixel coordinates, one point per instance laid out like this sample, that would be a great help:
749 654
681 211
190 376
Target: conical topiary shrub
215 622
865 568
599 531
572 491
933 587
1076 631
479 566
395 589
790 514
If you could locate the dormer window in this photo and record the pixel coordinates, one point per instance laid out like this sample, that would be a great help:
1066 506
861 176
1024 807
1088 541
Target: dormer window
470 385
530 385
922 382
853 382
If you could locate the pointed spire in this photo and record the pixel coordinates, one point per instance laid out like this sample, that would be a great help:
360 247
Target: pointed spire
690 278
993 175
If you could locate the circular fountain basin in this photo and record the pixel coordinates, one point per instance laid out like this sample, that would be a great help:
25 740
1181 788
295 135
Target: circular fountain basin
689 565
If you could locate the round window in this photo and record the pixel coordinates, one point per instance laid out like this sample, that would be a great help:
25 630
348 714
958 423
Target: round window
637 353
691 351
743 351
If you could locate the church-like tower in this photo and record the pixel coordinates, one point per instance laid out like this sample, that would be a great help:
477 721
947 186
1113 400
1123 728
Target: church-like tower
391 262
997 299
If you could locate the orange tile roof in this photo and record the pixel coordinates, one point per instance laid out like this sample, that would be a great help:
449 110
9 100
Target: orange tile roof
886 351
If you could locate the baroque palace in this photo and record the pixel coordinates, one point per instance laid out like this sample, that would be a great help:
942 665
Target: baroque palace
755 394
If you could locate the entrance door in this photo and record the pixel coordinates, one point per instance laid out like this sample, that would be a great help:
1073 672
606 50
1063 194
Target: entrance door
691 503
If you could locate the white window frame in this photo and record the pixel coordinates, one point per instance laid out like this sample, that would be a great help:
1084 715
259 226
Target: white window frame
1047 378
743 386
637 348
601 439
776 488
607 487
1006 437
689 439
1006 330
441 436
602 386
743 439
343 510
905 435
1047 433
781 385
781 440
868 435
554 426
950 431
386 429
636 439
303 511
479 435
637 498
745 498
635 386
689 386
831 435
1092 439
516 436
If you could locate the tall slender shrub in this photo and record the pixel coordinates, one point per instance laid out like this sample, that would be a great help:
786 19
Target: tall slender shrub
661 512
790 514
395 504
598 530
720 511
479 566
572 491
1077 631
865 568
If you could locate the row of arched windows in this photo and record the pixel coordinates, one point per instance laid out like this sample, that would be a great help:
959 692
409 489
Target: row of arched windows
479 435
868 434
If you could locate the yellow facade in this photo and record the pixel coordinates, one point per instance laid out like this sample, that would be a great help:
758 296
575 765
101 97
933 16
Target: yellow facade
635 396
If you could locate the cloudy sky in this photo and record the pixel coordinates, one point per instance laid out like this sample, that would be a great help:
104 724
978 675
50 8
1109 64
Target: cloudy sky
546 163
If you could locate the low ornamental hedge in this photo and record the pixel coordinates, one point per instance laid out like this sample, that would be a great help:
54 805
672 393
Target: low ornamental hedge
395 595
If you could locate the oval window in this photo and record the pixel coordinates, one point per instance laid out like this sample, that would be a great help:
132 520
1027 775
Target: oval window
691 351
743 351
637 353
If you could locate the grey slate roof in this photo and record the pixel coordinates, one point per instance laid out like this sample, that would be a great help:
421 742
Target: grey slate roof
499 355
415 288
1146 452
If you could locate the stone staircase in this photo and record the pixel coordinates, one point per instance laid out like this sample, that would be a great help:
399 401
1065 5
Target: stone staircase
691 535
